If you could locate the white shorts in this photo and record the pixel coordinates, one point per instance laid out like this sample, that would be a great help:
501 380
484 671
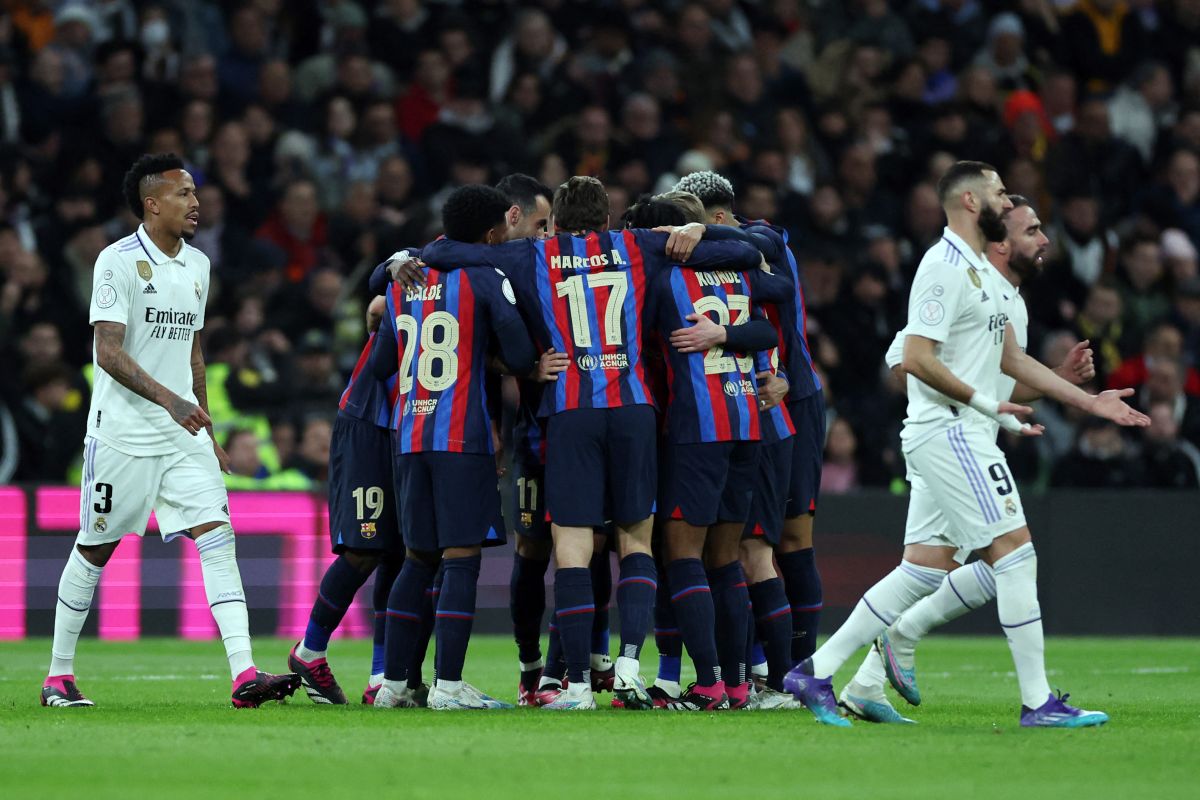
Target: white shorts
184 489
963 495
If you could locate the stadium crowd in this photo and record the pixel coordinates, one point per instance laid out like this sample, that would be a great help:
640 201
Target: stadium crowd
325 134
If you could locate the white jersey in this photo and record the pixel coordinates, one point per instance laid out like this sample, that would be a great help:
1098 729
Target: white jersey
1004 385
963 303
160 301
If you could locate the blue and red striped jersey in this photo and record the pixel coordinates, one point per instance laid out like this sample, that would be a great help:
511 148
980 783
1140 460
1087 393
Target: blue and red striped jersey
435 339
529 433
790 318
585 296
775 422
366 397
713 395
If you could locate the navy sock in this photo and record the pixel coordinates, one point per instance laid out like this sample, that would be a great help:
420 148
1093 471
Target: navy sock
404 610
527 604
341 582
635 601
385 575
455 615
573 611
425 633
773 621
802 583
694 610
601 597
666 635
556 665
730 601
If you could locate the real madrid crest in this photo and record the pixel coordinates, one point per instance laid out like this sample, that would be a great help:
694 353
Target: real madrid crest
973 274
196 286
100 525
144 270
1010 507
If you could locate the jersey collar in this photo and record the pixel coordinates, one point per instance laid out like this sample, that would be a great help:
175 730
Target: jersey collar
158 257
974 259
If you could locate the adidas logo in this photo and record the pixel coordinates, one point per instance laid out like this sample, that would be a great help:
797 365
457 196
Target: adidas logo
149 289
985 297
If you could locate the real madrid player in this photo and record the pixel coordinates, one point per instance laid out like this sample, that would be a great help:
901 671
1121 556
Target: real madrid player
958 337
149 443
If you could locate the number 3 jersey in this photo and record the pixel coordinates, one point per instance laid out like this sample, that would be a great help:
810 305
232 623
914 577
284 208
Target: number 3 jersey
435 340
586 296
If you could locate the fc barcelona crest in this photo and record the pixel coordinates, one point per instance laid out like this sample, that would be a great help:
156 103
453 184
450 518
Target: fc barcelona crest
144 270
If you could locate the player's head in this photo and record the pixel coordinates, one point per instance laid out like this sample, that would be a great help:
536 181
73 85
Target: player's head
475 214
529 212
714 191
160 192
1026 243
650 212
691 206
580 204
974 189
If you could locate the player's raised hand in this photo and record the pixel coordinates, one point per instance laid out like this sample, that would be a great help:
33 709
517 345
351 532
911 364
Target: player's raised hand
682 240
771 389
1109 405
1079 366
550 365
189 416
702 336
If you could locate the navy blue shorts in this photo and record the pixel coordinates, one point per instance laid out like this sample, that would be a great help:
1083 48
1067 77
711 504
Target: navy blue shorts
808 450
709 482
601 464
362 497
448 500
770 491
529 499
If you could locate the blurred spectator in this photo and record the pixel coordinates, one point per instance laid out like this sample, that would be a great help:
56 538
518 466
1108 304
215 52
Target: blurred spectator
1099 321
1163 343
1102 40
1140 108
315 386
298 227
1143 289
311 458
1102 459
1175 203
839 474
1164 384
1091 159
50 422
1168 461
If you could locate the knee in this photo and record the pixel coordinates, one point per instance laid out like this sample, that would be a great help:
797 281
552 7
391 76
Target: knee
97 555
533 549
430 558
363 561
462 552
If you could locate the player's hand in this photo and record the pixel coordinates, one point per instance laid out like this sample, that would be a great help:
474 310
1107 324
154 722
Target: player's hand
222 458
406 270
771 390
1016 409
498 447
1109 405
189 416
550 364
1079 366
1007 415
682 240
702 336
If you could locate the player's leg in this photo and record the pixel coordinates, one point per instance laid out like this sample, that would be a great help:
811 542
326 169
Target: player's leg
795 554
385 576
668 640
603 671
527 586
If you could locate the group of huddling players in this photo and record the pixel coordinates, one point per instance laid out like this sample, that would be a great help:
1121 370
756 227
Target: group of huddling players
668 409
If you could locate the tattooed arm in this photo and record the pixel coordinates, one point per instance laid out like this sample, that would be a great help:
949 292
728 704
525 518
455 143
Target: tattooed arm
112 358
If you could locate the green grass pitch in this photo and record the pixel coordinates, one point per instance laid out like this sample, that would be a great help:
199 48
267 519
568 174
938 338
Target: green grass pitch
164 728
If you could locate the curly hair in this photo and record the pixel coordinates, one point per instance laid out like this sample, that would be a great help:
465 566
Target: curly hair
713 190
142 177
471 210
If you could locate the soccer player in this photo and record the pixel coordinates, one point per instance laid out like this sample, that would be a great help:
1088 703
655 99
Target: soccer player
149 442
709 462
362 525
436 338
958 338
586 290
1018 258
787 605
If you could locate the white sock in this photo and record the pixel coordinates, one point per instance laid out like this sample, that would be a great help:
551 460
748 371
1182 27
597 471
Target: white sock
395 687
870 678
309 655
546 680
758 670
532 665
628 668
1021 618
575 690
376 679
963 590
670 687
879 607
76 588
226 600
452 687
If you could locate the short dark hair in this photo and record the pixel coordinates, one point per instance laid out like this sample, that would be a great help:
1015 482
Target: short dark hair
39 375
138 182
471 210
714 190
580 204
650 213
523 190
1019 200
959 172
235 434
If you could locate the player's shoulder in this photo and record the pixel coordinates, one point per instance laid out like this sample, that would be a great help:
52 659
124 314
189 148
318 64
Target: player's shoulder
125 250
196 255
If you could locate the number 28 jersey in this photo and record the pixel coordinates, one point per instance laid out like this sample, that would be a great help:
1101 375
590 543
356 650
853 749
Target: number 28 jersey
586 296
435 340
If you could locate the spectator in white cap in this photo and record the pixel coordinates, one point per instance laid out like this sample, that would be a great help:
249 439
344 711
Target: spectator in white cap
75 29
1004 54
1142 107
1179 256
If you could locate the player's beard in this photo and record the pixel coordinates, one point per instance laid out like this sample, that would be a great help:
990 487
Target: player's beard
991 223
1026 267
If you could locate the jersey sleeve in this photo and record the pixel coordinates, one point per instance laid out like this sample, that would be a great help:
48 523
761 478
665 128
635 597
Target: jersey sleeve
769 287
382 361
516 348
204 285
112 290
378 282
737 256
937 292
753 336
513 258
895 353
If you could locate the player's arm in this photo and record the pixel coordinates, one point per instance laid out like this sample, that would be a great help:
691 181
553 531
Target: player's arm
704 334
112 358
894 358
1042 379
773 384
663 248
511 257
517 350
200 389
382 362
390 270
770 287
1077 369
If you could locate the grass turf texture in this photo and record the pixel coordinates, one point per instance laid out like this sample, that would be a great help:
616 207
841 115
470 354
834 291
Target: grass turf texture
163 727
